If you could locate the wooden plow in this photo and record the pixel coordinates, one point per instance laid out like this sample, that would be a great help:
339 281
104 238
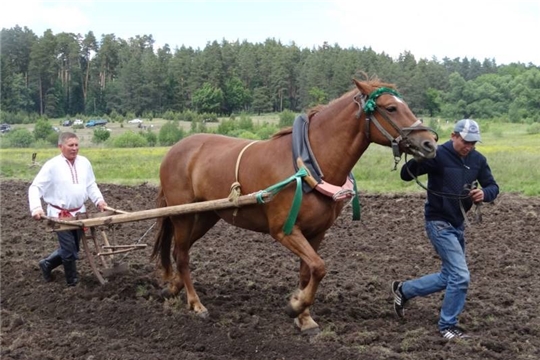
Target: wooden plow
92 226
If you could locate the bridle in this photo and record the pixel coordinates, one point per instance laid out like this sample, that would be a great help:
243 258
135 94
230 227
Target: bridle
369 106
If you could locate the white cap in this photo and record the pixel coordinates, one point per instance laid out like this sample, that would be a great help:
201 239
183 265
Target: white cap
468 129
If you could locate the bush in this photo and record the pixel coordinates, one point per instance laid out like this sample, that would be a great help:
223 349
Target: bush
170 134
42 129
150 137
533 129
286 118
19 138
266 132
129 139
100 135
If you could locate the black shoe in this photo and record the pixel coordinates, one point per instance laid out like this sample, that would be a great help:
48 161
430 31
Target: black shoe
399 299
48 264
454 332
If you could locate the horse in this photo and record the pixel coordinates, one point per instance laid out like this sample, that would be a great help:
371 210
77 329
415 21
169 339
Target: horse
202 167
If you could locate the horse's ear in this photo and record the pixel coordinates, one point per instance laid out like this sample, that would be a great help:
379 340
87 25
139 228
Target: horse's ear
361 86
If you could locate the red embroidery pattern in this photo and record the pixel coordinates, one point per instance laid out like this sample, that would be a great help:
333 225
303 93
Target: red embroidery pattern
73 170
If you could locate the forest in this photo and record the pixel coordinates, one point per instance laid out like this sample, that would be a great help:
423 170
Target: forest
68 75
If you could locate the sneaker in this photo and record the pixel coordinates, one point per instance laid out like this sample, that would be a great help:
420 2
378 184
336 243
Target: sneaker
399 299
454 332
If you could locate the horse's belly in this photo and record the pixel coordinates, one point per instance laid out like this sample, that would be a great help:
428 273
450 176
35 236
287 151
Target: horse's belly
246 217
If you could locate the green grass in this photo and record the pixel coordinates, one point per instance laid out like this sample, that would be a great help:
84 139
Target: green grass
512 154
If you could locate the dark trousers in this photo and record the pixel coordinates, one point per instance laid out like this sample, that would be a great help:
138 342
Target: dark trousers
69 244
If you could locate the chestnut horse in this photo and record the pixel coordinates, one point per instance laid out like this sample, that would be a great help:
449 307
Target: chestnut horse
202 167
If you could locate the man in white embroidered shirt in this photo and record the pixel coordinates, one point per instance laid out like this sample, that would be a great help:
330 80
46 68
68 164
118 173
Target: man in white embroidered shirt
64 182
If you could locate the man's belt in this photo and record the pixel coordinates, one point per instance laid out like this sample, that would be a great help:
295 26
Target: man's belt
65 213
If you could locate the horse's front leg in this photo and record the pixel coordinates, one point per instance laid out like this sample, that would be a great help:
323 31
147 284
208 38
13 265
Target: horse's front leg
311 273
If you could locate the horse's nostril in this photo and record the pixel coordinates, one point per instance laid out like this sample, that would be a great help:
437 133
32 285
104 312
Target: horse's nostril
427 145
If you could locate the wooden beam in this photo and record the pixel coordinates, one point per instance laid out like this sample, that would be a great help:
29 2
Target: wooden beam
211 205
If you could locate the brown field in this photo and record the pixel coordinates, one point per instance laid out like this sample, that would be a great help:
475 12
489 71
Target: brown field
245 279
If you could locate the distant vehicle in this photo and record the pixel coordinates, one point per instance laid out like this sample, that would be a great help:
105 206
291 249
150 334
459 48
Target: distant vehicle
78 122
135 121
56 129
99 122
67 123
4 128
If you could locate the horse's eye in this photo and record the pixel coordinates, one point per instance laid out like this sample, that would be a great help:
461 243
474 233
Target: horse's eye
391 108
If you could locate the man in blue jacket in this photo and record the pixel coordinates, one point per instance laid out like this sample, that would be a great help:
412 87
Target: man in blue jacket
452 190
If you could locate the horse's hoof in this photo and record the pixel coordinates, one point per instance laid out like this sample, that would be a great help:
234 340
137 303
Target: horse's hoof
204 315
166 294
311 332
291 312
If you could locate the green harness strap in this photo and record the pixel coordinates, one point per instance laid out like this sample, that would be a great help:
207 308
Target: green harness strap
295 208
297 200
355 201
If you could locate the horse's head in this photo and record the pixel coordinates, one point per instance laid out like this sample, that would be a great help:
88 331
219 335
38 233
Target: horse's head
390 122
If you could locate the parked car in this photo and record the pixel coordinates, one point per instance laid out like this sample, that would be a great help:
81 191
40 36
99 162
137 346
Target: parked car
67 123
99 122
135 121
78 122
5 128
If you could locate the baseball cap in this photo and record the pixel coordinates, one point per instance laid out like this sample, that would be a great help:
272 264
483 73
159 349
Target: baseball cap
468 129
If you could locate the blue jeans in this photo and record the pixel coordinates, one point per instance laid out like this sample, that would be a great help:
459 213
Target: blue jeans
449 243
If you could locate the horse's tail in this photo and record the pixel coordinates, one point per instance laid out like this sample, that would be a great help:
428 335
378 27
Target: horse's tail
162 245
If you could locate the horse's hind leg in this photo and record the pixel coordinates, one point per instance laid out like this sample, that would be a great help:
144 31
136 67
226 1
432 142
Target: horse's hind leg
187 230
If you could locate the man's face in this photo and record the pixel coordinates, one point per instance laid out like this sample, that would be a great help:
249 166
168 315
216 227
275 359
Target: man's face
462 147
70 148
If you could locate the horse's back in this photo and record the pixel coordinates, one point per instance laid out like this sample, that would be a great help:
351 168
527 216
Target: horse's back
200 167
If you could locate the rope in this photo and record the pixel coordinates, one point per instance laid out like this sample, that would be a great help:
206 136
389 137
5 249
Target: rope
138 241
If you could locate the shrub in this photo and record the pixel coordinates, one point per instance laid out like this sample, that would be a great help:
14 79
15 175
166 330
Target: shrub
170 134
130 139
19 138
150 137
286 118
533 129
42 129
100 135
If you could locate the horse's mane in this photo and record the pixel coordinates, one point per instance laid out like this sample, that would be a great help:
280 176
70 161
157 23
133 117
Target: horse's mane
373 83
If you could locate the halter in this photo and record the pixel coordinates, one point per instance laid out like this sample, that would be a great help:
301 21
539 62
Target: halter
369 105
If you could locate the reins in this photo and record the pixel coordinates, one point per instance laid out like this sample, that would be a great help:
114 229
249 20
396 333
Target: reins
474 185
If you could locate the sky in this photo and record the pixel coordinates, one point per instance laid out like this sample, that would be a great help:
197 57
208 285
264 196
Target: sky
504 30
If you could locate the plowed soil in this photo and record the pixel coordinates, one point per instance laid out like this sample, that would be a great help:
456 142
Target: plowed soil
245 280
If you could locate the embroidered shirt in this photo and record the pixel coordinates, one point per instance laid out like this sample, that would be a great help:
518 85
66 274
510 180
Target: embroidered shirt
64 185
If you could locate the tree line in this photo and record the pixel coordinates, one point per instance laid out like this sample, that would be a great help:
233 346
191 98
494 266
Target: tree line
66 74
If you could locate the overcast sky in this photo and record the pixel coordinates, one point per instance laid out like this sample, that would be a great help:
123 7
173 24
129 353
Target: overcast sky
504 30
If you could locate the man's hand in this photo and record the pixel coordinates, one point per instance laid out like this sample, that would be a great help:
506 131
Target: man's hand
477 195
38 214
102 205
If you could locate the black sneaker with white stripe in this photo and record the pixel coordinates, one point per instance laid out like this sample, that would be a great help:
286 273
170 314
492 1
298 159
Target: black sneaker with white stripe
454 332
399 299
